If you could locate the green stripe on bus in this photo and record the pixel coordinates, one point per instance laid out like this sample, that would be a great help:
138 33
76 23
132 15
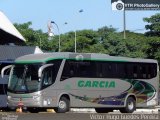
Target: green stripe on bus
50 59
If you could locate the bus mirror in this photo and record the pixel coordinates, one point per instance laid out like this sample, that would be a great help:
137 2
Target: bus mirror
42 68
4 69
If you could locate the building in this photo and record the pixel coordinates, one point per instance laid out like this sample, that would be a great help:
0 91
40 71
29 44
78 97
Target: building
8 33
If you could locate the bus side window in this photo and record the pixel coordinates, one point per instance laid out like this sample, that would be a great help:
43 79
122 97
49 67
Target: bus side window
128 70
109 70
121 70
47 77
149 71
153 70
86 69
69 70
135 71
144 72
65 73
99 71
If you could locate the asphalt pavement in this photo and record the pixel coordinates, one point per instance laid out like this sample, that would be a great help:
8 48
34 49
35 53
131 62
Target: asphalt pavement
81 114
45 116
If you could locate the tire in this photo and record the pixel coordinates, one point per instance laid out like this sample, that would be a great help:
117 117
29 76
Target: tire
33 110
130 106
103 110
63 105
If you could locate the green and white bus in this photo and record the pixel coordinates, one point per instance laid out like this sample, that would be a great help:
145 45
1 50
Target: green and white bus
83 80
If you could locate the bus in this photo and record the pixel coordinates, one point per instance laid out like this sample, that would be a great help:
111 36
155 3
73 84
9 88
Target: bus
65 80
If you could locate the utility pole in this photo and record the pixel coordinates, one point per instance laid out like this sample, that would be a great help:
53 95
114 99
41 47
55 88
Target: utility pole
124 22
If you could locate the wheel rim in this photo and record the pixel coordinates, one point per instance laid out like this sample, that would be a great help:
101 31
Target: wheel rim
130 105
62 105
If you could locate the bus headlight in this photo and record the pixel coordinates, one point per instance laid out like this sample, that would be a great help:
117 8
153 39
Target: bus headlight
9 97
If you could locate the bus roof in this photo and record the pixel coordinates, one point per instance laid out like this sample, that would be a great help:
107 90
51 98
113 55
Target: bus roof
45 57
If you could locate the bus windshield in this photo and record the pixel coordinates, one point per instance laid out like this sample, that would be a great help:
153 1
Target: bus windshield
24 78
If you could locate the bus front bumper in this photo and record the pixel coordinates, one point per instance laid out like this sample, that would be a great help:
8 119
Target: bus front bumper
14 102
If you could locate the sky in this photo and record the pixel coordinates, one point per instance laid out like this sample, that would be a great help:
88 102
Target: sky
96 14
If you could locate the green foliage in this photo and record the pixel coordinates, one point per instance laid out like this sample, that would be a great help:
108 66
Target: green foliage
105 40
153 26
153 34
154 47
33 37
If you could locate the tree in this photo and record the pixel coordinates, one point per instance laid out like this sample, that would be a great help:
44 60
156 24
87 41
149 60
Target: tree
136 44
85 39
154 36
153 26
115 44
33 37
104 32
105 40
27 32
154 47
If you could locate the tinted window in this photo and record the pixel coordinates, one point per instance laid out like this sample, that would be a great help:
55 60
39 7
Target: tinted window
79 69
47 79
100 69
108 69
55 68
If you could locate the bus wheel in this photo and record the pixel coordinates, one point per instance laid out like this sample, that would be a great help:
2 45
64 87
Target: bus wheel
103 110
130 106
63 105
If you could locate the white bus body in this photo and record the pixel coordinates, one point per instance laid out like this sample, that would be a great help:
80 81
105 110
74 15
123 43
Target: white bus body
68 80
